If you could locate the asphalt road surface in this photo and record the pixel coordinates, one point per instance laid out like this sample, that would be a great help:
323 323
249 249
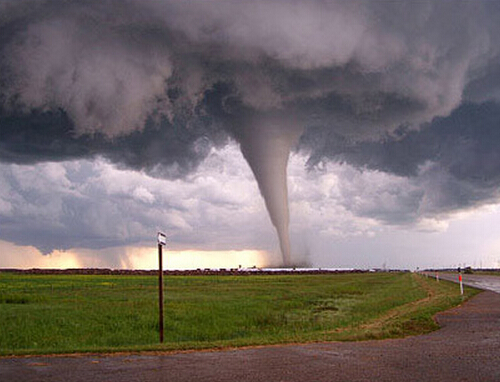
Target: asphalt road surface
477 281
466 348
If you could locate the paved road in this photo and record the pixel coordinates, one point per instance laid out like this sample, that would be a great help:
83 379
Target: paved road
466 348
478 281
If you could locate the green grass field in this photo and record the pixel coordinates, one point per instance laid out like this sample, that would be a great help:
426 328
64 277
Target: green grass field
75 313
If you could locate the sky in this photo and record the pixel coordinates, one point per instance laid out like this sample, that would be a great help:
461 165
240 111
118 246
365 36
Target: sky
358 134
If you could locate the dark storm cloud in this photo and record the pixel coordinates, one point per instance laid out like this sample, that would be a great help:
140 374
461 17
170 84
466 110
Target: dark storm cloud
162 148
472 131
360 68
153 85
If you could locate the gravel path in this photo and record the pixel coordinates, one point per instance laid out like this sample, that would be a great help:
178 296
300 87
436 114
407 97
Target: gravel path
466 348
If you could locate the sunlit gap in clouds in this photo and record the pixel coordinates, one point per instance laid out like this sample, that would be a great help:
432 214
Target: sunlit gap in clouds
26 257
146 258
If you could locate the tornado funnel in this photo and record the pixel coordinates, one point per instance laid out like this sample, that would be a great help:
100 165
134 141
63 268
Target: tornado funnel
266 147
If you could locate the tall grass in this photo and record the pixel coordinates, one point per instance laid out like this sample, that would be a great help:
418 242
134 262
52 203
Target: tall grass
68 313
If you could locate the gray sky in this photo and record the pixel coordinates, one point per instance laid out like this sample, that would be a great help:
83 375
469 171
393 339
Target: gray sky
121 118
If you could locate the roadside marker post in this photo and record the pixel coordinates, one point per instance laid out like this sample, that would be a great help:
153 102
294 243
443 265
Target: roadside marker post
461 284
162 240
437 276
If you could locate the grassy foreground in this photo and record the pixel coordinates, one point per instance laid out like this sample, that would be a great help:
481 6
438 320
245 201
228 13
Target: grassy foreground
80 313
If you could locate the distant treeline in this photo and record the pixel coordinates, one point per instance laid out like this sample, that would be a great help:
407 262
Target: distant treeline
195 272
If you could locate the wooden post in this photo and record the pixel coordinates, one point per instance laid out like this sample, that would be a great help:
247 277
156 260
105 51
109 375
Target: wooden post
160 291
